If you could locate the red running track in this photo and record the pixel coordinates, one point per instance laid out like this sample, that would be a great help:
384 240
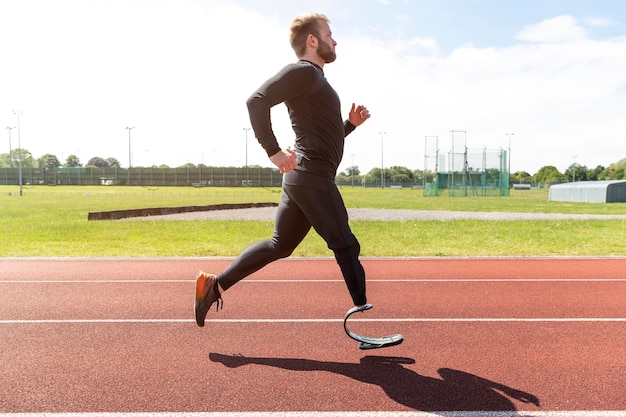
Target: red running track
117 335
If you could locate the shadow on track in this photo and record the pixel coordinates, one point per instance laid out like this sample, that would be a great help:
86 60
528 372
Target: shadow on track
456 391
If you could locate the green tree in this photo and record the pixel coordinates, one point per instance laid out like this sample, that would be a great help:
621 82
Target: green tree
72 161
549 174
373 176
4 160
96 161
113 163
612 172
615 171
399 175
27 158
521 177
349 176
352 171
576 172
594 174
430 176
418 176
48 162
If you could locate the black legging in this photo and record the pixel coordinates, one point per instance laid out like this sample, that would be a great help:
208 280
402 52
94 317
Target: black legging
308 200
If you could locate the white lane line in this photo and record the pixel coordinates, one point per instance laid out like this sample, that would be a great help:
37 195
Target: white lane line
280 321
304 281
578 413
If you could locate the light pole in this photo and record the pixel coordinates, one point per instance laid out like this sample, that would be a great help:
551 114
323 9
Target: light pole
19 149
382 160
246 129
213 164
10 151
130 162
130 157
509 135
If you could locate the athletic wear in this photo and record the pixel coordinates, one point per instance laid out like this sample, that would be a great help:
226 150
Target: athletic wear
310 196
315 113
207 293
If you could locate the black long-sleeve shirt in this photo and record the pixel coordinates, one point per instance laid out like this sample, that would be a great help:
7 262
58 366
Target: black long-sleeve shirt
315 113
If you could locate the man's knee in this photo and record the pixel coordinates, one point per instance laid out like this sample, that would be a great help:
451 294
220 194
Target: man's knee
346 250
281 251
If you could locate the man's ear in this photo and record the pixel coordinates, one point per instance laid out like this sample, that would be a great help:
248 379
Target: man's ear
311 40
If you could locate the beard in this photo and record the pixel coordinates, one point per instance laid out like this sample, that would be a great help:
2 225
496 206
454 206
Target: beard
325 51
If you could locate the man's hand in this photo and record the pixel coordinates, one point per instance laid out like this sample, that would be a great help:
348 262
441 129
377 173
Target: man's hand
285 160
358 114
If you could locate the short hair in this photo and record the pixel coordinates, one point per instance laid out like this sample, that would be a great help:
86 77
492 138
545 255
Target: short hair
303 26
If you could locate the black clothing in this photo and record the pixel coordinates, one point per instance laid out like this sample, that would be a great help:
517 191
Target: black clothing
310 196
315 113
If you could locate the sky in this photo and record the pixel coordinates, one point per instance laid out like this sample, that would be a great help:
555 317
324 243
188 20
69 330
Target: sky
545 79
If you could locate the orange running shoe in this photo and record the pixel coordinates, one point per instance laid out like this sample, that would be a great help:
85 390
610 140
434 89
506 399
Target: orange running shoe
207 293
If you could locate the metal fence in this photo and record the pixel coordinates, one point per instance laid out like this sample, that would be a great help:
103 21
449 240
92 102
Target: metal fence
208 176
480 173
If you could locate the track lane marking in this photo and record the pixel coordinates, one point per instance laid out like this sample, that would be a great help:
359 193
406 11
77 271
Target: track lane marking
301 281
381 320
578 413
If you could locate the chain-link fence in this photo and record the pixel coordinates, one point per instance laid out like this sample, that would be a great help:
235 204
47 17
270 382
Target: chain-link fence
464 172
206 176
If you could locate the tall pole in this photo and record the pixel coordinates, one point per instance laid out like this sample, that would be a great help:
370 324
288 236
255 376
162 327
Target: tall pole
130 157
130 162
382 160
246 129
10 151
213 164
19 149
509 135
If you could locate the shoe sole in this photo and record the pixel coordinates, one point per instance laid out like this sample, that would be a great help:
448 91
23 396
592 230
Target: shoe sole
201 281
201 286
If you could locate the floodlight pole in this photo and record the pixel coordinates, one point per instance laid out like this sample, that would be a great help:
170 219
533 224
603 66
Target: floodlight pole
10 151
19 149
130 158
509 135
382 160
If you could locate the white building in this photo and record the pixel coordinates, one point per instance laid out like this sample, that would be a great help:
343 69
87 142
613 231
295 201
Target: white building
589 192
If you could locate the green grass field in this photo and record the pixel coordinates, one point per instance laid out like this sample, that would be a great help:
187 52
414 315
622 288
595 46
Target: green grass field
52 221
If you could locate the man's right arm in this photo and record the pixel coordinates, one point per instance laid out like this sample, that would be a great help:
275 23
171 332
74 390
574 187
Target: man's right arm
290 82
260 118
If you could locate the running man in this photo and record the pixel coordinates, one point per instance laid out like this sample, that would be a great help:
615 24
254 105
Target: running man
310 197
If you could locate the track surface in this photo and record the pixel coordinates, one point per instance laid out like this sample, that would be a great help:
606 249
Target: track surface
117 335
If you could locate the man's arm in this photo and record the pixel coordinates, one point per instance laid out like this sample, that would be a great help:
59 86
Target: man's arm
288 83
259 110
358 115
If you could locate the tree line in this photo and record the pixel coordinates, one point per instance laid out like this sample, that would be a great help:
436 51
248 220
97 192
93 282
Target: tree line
547 174
391 175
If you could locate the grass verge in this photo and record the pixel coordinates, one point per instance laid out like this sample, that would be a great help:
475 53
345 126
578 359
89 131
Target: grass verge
52 221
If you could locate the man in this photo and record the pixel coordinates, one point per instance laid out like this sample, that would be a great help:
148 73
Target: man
310 196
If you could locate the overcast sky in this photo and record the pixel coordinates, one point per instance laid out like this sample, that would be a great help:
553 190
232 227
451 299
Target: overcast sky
552 73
